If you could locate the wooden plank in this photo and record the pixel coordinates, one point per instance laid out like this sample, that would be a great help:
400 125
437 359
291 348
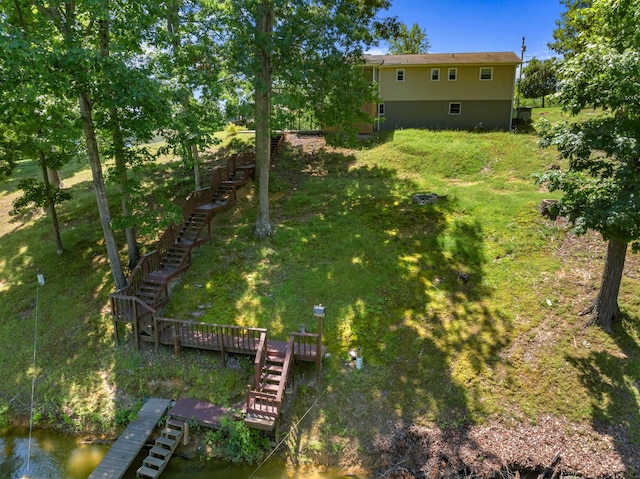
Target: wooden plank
203 413
119 458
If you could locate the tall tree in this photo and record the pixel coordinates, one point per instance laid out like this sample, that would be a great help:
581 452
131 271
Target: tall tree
63 52
308 48
601 183
540 79
576 19
186 61
409 41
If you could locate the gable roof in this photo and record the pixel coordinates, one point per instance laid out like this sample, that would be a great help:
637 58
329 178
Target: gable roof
493 58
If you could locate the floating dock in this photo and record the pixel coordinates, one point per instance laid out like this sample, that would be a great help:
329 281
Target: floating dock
119 458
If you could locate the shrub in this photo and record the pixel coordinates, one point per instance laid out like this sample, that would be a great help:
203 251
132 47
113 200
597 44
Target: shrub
236 442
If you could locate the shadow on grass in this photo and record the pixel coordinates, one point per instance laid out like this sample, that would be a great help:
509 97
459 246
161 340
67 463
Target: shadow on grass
402 281
614 388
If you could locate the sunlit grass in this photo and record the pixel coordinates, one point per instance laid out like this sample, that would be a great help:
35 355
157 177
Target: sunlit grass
507 344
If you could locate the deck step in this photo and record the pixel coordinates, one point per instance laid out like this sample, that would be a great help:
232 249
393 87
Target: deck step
166 442
160 452
147 473
153 462
170 433
272 378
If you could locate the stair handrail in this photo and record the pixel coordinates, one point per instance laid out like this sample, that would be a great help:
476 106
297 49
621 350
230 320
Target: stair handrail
288 359
261 358
272 403
146 264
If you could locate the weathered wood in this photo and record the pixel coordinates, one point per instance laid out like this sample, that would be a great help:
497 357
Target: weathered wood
120 456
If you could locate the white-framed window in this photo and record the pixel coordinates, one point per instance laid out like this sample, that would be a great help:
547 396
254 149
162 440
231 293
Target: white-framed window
400 74
455 108
435 74
380 109
486 73
453 74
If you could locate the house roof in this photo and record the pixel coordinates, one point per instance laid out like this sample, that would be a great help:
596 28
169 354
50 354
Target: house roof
493 58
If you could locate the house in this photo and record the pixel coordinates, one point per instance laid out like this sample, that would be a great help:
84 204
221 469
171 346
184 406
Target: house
443 91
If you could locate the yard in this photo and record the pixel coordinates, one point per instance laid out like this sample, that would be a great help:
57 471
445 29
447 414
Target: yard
496 370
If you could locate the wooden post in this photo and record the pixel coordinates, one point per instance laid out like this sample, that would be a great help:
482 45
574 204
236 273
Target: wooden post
221 342
156 333
185 433
176 343
135 326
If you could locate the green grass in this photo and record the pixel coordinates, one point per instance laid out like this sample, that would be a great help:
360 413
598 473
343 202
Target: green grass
508 345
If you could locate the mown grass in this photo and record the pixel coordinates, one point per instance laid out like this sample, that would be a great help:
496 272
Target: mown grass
507 345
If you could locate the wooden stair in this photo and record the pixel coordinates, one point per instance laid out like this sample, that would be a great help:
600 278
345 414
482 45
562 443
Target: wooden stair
191 230
161 452
264 403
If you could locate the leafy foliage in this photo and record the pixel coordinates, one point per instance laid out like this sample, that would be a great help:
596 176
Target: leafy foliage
540 79
601 184
410 41
236 442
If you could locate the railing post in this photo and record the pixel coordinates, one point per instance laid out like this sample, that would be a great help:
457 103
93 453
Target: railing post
318 360
135 326
156 334
221 341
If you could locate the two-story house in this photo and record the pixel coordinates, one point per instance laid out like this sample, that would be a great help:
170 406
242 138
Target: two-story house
444 91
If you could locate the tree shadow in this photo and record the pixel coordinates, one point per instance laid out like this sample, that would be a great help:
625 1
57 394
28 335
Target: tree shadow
614 388
417 306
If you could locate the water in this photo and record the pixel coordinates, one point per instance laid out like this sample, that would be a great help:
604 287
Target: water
56 456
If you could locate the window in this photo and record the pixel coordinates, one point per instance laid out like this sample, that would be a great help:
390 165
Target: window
455 108
400 74
453 74
486 73
380 109
435 74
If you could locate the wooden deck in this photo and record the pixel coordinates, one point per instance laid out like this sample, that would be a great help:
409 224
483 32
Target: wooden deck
130 442
200 412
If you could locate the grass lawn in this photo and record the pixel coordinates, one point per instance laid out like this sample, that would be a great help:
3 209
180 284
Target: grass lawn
508 345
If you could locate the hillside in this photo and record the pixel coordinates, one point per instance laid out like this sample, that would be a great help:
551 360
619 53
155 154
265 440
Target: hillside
466 310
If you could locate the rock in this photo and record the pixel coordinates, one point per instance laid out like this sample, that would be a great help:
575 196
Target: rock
427 198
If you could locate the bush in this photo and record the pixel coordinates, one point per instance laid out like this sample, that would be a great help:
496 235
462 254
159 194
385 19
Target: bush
236 442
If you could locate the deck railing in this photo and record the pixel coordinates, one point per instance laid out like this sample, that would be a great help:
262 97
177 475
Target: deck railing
215 337
130 309
148 263
261 357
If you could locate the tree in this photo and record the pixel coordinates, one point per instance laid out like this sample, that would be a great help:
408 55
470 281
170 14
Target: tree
311 49
575 19
540 79
409 41
600 186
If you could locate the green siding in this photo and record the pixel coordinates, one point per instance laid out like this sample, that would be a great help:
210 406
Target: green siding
475 114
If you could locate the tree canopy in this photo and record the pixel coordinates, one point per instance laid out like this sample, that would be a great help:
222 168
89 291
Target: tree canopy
600 186
540 79
408 41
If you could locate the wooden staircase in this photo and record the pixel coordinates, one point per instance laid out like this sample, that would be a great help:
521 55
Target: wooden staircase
271 372
161 452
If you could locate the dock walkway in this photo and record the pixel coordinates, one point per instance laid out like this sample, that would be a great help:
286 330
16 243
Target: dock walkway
119 458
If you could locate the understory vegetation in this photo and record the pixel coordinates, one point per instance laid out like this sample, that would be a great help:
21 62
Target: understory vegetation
466 310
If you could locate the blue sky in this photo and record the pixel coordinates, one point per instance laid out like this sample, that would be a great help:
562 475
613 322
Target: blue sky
459 26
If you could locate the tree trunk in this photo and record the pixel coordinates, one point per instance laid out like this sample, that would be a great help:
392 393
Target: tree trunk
54 178
543 101
604 309
133 249
50 203
101 193
121 166
263 124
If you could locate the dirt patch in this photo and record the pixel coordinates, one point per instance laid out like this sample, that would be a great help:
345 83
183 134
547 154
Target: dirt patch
495 450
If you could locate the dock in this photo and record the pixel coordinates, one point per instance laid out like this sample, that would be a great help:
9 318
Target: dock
119 458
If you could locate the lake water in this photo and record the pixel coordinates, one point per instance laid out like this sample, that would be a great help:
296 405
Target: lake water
56 456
